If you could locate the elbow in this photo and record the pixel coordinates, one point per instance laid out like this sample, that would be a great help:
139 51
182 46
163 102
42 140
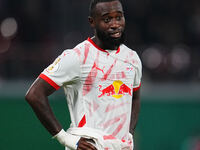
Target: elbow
31 96
28 97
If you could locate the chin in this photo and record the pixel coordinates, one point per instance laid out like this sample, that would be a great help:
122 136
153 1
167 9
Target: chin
116 41
110 41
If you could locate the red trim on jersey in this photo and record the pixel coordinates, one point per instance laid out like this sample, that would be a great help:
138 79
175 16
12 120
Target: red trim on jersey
109 137
137 88
82 122
118 50
48 80
92 42
123 140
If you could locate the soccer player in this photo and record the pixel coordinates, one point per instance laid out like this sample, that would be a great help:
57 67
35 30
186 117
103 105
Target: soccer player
101 79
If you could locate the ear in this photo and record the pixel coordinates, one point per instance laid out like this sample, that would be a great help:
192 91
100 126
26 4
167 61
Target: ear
91 21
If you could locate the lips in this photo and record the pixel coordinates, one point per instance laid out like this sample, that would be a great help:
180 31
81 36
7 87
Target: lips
115 34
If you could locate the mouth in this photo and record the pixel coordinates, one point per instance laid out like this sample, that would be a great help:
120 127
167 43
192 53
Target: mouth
115 34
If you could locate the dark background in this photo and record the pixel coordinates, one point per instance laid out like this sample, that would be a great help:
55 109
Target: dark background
165 34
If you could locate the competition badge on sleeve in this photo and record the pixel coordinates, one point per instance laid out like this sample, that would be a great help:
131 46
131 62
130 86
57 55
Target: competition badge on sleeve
54 66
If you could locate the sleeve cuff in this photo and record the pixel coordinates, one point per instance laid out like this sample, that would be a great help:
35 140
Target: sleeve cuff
48 80
137 88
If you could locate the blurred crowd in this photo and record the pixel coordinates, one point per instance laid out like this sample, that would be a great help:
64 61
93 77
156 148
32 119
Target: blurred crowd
165 33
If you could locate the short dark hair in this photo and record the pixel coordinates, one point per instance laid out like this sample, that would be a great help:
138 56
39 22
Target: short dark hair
93 3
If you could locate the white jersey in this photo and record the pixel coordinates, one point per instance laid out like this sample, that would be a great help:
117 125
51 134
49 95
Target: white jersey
99 85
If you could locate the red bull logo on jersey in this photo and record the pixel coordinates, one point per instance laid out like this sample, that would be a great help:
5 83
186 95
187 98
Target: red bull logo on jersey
117 89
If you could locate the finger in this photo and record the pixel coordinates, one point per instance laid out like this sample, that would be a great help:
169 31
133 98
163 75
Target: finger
84 145
90 141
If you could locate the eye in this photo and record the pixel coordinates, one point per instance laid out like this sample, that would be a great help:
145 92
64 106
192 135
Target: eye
118 18
106 20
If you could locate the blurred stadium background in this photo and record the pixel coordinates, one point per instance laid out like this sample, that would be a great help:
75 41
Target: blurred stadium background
166 35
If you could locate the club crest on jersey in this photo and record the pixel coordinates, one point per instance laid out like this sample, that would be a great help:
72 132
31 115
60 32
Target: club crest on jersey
117 89
54 66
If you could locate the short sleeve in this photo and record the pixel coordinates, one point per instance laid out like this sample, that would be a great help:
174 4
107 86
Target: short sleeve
138 73
64 70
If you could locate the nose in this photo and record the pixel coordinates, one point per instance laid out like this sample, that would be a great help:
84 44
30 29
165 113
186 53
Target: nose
114 24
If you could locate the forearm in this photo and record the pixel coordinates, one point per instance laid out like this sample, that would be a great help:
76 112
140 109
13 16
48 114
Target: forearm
134 115
37 97
135 110
44 113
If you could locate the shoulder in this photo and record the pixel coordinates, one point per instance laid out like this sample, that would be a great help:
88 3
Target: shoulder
128 50
130 55
84 50
83 45
133 59
75 52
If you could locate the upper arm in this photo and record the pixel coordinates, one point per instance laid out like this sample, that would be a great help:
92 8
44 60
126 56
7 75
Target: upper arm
39 88
137 77
136 95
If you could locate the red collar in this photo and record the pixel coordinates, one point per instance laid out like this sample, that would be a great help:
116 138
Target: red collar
92 42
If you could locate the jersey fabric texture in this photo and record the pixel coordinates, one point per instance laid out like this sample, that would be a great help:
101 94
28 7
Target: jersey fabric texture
99 85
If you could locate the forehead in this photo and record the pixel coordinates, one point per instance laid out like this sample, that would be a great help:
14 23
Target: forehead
104 8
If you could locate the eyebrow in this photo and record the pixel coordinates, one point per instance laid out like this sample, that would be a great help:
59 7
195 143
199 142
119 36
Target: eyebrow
121 12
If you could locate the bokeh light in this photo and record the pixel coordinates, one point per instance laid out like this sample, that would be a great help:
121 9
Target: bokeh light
8 27
152 58
179 59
